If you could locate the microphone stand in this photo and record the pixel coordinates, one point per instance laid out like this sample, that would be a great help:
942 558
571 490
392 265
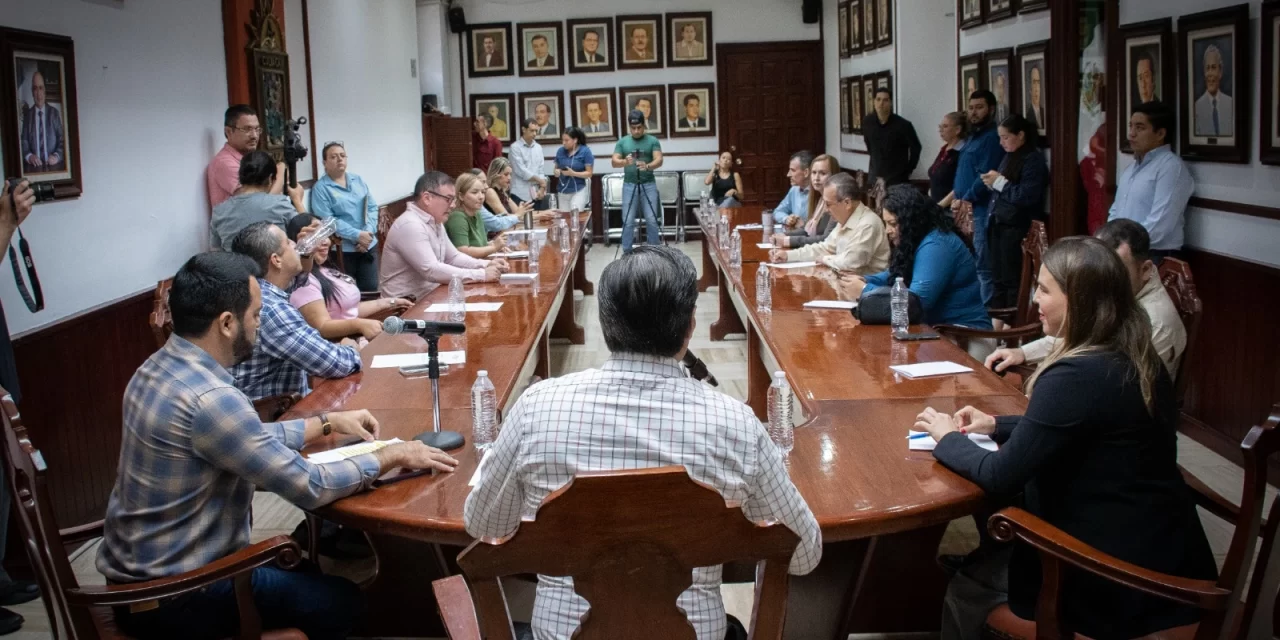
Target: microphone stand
442 440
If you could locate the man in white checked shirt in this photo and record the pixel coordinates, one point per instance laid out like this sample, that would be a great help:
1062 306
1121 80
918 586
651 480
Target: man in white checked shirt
640 410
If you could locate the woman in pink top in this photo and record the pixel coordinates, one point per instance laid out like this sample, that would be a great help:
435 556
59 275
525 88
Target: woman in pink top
330 299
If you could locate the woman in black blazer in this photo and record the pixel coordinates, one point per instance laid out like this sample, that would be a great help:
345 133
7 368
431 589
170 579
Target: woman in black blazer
1095 455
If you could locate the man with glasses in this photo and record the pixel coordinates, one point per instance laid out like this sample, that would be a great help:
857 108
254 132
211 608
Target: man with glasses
858 245
418 256
240 126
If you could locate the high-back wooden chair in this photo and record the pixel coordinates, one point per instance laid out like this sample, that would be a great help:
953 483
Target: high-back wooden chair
1175 275
81 612
963 217
630 540
1227 610
877 196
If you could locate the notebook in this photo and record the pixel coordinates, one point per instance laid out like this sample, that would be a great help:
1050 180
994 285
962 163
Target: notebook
830 304
389 360
472 307
930 369
350 451
925 443
791 265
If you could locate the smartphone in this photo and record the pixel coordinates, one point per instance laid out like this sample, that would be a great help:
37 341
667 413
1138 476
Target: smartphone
909 337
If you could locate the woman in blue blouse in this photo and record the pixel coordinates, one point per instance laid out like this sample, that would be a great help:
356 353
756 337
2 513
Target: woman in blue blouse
574 166
930 258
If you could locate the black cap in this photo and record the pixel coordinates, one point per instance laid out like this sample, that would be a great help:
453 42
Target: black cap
636 117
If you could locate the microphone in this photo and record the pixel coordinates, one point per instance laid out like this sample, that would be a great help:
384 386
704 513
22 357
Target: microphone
394 326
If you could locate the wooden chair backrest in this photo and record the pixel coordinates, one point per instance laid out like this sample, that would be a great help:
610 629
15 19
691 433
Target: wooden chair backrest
1176 277
964 221
161 319
630 540
1033 247
1259 605
877 195
26 473
387 215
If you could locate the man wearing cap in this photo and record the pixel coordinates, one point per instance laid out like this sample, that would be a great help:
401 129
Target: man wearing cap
639 154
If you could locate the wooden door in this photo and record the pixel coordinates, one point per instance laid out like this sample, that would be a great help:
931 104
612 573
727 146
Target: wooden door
771 105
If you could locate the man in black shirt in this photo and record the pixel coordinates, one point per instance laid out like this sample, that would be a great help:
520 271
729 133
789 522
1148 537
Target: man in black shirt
891 141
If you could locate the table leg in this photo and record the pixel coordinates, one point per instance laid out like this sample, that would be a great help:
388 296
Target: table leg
816 602
708 278
758 378
580 274
395 596
898 580
542 369
729 322
566 323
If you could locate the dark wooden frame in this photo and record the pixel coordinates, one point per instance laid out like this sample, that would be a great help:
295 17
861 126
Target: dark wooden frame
1163 29
557 50
662 105
855 44
1268 148
13 41
1236 17
887 40
845 33
995 56
471 50
973 21
607 47
615 127
999 14
708 37
558 96
846 106
512 126
868 97
658 44
1032 6
964 61
869 17
855 97
708 110
1046 82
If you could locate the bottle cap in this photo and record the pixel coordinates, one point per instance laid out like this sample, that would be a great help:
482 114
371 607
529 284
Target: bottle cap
780 375
483 373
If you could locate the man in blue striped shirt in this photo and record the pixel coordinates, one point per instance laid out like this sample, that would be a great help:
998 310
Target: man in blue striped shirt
192 452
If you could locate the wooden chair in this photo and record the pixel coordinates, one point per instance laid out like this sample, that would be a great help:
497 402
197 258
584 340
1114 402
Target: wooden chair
1023 318
161 319
1181 287
630 540
1227 609
964 222
81 612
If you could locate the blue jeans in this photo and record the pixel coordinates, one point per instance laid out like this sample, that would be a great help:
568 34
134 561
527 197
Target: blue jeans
649 203
986 282
320 606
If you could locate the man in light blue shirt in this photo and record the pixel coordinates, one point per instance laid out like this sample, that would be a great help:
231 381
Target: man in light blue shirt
526 166
796 203
1154 190
345 197
982 153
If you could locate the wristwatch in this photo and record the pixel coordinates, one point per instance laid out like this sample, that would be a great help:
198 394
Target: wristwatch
326 427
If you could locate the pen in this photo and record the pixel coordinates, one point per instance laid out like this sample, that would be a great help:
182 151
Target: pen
917 436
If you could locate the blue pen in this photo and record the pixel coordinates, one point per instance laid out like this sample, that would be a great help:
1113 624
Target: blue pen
917 436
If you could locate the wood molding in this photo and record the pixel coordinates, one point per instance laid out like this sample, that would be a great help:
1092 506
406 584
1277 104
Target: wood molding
311 95
1256 210
1064 65
235 39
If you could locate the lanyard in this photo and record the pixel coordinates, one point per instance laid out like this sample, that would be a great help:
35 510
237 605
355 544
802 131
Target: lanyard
38 303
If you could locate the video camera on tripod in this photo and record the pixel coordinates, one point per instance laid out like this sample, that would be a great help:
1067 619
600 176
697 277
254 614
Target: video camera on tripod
294 150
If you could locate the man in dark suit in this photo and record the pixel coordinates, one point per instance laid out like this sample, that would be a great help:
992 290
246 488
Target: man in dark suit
42 141
490 58
590 51
542 58
692 114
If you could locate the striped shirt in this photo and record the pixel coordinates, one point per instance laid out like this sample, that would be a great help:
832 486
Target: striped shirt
191 454
636 412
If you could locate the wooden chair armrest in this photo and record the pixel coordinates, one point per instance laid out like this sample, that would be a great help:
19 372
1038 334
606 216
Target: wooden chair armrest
1005 314
271 408
1051 541
1016 335
282 548
1211 500
82 533
457 610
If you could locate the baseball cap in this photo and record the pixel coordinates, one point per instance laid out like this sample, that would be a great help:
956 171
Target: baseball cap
636 117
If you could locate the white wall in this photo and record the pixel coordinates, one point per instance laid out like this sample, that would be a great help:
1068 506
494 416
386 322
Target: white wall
1009 32
151 83
1232 234
295 46
433 41
365 95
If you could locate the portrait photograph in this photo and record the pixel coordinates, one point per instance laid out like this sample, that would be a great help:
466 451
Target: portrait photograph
689 35
590 45
594 113
540 50
842 14
969 77
1032 6
489 50
868 25
999 9
1148 75
498 109
855 104
1215 84
693 110
40 133
547 111
855 26
649 100
640 42
1270 102
972 12
999 81
868 95
884 23
846 118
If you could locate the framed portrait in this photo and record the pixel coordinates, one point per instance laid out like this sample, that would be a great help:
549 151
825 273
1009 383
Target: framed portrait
884 80
1000 9
594 112
547 111
846 117
489 50
855 26
40 132
1030 74
540 50
997 73
1031 6
499 110
855 104
1214 62
969 78
689 35
868 95
884 22
640 42
590 45
972 12
693 110
868 25
1147 73
842 11
1269 146
649 100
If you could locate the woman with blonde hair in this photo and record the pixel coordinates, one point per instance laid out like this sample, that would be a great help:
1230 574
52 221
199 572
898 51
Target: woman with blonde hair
498 197
1095 455
820 223
464 225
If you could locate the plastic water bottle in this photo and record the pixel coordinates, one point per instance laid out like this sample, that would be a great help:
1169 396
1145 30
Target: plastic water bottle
780 428
309 243
562 232
724 230
705 200
764 289
535 248
735 250
484 407
898 304
457 300
766 224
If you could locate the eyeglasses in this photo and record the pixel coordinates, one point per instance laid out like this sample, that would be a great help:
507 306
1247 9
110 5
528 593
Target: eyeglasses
249 129
451 199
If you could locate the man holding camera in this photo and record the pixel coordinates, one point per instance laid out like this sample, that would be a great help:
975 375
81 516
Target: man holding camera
240 126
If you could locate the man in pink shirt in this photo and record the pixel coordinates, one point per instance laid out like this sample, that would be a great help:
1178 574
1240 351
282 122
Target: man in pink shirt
418 256
240 126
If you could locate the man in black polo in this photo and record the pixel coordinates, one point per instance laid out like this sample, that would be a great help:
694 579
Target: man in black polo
891 141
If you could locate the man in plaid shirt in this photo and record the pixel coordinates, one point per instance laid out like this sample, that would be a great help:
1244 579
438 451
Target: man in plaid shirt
638 411
288 348
192 452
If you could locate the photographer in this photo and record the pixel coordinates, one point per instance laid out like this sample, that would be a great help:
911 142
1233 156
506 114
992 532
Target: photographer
242 130
253 201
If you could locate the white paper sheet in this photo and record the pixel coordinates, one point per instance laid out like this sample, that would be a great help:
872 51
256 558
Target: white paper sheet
830 304
472 307
925 443
929 369
349 451
753 225
390 360
764 245
791 265
517 278
510 254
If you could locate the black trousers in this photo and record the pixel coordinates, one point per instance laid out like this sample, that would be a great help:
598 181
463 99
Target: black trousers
363 267
1004 258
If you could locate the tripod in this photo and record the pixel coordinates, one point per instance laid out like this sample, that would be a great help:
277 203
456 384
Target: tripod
629 216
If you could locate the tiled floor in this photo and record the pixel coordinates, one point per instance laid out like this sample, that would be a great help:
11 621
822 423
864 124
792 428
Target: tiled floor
726 361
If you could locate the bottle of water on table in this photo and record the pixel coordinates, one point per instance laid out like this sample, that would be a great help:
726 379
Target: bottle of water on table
780 429
484 411
764 289
735 250
899 300
562 233
457 300
724 230
535 251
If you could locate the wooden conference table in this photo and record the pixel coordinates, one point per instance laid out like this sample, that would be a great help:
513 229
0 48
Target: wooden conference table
882 509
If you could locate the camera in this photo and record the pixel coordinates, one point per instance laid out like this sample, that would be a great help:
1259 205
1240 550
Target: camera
43 190
294 150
